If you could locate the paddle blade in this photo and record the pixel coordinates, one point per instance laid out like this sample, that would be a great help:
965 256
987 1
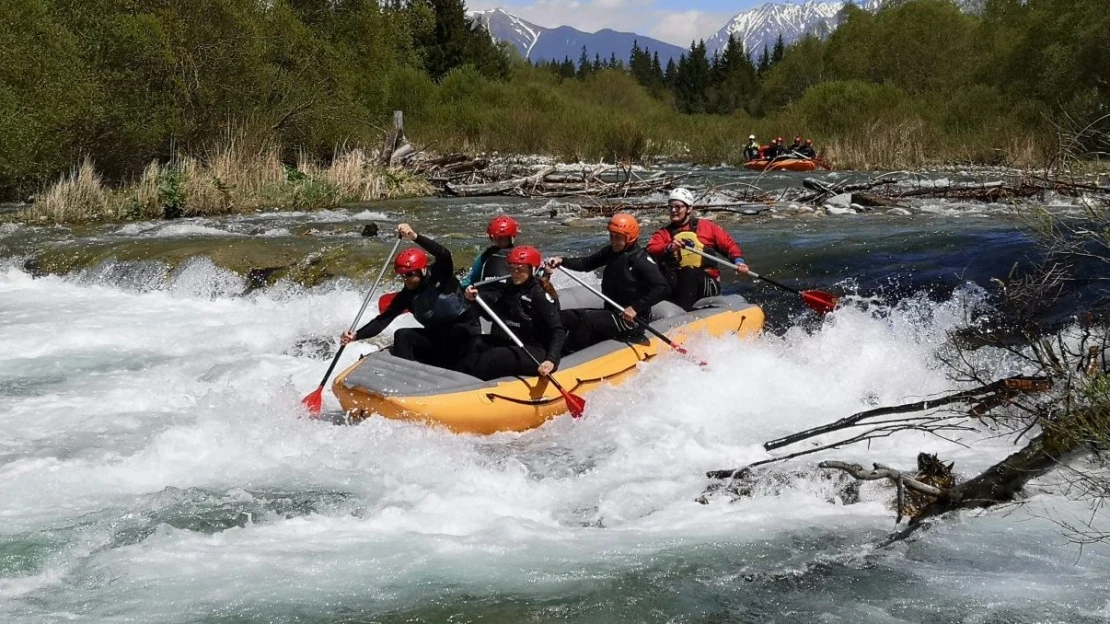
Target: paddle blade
384 302
820 302
575 404
314 401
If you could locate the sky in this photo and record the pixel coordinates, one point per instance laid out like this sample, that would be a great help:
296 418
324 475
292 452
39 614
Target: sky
673 21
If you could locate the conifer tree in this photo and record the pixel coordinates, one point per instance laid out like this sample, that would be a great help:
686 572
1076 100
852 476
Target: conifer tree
584 67
778 51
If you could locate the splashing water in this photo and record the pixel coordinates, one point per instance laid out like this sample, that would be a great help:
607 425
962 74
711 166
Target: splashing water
155 466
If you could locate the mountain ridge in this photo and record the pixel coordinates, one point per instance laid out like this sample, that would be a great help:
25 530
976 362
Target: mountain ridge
540 43
756 28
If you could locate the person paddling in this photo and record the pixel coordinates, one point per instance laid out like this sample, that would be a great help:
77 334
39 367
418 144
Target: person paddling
752 151
807 149
690 277
631 278
493 262
528 306
435 298
775 150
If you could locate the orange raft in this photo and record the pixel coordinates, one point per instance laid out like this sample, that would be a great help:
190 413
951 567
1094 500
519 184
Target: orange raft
384 385
782 164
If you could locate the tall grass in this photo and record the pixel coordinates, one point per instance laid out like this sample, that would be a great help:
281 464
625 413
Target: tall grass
232 178
78 196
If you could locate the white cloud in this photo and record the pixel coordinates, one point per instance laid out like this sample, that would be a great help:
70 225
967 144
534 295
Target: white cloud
643 17
683 27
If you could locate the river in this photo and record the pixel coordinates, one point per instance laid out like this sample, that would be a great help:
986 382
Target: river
155 464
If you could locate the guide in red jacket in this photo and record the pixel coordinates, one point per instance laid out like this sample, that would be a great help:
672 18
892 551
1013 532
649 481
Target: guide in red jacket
690 276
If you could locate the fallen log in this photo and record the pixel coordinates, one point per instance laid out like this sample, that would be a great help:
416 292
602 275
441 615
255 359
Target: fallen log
744 208
514 186
872 199
988 192
1002 482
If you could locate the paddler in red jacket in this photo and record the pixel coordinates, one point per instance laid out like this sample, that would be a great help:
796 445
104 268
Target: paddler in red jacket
690 276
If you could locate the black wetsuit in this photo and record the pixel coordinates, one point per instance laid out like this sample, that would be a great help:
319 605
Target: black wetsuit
493 262
533 316
631 278
450 324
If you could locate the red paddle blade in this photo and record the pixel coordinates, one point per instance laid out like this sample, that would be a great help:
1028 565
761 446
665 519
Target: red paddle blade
681 349
575 404
314 401
819 302
384 302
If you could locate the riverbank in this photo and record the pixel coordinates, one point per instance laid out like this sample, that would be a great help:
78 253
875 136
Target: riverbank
237 180
230 180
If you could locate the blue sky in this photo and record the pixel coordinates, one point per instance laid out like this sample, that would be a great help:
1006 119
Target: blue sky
674 21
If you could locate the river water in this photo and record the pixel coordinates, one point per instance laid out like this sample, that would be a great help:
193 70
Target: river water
155 465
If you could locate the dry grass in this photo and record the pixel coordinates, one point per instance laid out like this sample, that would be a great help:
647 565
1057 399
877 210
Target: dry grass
77 197
882 146
232 178
147 191
357 177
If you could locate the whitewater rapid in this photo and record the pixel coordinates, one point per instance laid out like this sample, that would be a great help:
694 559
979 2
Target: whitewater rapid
156 465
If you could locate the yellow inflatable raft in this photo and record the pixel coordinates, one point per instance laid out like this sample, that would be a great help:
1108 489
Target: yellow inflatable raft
384 385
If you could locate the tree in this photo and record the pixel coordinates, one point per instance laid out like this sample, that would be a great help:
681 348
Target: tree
691 82
48 96
671 74
779 50
764 62
736 84
454 41
802 66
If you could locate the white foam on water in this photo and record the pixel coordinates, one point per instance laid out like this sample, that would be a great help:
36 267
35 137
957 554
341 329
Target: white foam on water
370 215
117 402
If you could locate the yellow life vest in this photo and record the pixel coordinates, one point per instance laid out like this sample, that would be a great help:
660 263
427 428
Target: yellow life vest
689 238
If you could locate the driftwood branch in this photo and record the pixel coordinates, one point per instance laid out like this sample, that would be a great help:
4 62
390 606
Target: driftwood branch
515 186
744 208
882 472
602 181
1001 388
879 430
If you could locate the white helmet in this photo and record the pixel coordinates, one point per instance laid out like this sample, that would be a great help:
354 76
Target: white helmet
682 195
751 137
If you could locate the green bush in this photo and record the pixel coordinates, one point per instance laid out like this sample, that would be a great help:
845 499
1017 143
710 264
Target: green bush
623 140
843 107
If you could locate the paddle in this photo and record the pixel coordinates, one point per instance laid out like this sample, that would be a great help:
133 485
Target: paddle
640 321
575 403
819 161
387 298
818 301
315 398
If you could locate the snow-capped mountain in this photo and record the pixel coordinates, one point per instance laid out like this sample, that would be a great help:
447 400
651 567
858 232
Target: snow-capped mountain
545 44
762 25
756 28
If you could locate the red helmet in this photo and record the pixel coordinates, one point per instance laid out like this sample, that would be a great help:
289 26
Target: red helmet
624 223
809 141
526 255
410 261
778 139
798 139
503 225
